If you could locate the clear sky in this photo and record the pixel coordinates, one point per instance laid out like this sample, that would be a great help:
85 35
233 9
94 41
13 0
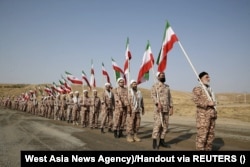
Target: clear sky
41 39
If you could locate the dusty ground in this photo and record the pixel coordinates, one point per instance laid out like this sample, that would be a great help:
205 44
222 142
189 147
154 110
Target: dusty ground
23 131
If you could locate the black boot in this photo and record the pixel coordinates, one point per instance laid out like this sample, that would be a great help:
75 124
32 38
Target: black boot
102 130
163 144
155 144
109 130
115 134
120 133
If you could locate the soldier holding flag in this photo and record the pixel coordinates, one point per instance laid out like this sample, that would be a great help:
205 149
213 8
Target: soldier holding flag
162 99
206 113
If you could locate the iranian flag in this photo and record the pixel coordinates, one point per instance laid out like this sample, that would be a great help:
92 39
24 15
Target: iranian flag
128 56
63 83
92 75
47 89
168 41
147 64
73 79
57 88
105 73
84 76
118 71
66 84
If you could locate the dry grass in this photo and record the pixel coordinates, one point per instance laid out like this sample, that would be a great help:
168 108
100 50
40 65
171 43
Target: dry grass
230 105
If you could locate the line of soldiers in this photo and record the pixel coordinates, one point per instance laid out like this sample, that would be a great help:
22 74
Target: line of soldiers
121 109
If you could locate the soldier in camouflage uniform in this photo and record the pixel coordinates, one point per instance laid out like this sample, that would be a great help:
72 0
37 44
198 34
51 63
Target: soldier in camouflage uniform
85 108
108 105
70 103
205 113
57 107
76 108
134 117
121 108
162 99
63 108
95 110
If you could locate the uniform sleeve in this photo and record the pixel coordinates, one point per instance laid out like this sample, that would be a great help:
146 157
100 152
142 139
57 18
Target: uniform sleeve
116 96
142 103
200 98
170 98
154 95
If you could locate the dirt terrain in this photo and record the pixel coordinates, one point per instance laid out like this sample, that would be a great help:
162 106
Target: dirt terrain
23 131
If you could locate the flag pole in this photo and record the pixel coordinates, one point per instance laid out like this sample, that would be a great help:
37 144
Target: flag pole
128 79
196 74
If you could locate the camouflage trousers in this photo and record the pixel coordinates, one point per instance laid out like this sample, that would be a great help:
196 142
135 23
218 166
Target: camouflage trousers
133 123
69 113
62 114
120 115
205 123
84 117
75 113
93 119
159 120
108 114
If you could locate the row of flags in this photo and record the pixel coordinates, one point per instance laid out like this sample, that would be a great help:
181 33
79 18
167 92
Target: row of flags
147 64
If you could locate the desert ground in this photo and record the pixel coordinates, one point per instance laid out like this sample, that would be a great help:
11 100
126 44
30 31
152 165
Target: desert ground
24 131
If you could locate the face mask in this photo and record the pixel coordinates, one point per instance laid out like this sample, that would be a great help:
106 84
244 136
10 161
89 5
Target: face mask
162 79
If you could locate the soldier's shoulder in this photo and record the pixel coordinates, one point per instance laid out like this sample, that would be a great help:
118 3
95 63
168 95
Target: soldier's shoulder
166 85
197 89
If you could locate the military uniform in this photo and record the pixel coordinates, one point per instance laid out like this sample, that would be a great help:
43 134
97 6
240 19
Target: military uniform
121 107
95 111
57 107
76 109
108 105
63 108
161 95
70 103
85 109
134 118
205 118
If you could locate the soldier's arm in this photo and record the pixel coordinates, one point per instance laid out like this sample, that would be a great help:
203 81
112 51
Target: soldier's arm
154 95
142 106
117 98
199 98
103 98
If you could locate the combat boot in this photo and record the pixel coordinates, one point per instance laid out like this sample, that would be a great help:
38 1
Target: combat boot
115 134
102 130
136 138
155 144
120 134
163 144
129 138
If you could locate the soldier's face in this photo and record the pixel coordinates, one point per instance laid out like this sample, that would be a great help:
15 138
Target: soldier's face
205 79
161 77
121 83
134 85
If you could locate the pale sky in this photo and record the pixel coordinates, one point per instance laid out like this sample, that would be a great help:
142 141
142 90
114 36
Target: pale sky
41 39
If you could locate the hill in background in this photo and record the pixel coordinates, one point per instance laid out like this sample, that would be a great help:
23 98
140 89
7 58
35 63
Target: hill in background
230 105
